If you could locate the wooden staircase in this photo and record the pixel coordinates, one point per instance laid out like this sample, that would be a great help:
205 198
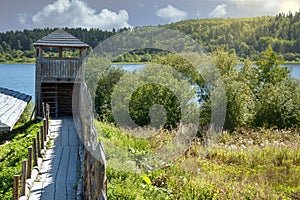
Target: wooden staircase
59 97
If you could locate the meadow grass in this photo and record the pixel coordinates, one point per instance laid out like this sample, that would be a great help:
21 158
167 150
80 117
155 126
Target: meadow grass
246 164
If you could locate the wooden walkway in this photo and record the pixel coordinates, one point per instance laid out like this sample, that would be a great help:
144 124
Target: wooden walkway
60 170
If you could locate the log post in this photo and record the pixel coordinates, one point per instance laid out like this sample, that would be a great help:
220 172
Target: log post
43 107
35 163
16 187
23 178
45 127
42 137
38 144
47 115
43 133
29 163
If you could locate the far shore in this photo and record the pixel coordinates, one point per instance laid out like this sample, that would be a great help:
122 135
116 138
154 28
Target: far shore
32 61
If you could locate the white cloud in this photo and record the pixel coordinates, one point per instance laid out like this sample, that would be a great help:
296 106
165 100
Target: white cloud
289 5
270 7
171 13
219 11
75 13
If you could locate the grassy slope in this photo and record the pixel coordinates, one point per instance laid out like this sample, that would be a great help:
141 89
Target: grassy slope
262 164
13 149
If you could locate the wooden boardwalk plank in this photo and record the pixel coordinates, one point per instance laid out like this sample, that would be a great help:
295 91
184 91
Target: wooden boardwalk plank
73 162
59 172
65 136
73 136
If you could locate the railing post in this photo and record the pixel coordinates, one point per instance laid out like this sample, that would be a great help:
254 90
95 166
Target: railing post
35 163
29 165
47 115
43 106
42 136
43 133
16 187
38 144
45 127
23 178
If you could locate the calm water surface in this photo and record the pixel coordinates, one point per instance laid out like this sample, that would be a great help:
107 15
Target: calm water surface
21 77
131 67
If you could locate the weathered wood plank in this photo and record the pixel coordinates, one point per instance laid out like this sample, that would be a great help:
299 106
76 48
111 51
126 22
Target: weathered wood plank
73 136
65 140
59 172
72 165
60 69
12 105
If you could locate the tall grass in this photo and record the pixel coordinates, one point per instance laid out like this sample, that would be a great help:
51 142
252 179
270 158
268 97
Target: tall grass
248 164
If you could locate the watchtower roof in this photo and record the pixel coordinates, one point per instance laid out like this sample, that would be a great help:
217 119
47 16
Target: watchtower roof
60 38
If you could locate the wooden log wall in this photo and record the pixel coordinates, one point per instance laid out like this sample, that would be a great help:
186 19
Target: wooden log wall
94 174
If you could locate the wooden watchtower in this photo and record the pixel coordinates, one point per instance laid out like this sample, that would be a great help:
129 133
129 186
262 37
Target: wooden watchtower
57 73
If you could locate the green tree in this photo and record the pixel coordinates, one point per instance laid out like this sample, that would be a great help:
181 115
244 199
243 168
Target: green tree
156 95
270 69
106 84
278 104
278 94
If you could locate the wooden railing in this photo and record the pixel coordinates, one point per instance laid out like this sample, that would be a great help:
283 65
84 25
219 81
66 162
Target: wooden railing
60 69
94 175
22 184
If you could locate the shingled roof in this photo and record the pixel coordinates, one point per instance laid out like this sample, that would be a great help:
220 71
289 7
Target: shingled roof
60 38
12 105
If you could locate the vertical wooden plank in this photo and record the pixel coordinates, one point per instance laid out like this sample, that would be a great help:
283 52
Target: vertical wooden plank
35 163
29 163
16 187
23 178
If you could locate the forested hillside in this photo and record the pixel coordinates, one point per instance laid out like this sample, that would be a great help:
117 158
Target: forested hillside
245 36
17 45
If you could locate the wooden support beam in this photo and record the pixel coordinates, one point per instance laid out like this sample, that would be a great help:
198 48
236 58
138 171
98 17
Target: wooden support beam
60 52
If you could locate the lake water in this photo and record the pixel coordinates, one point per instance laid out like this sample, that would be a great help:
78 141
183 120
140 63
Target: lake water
18 77
21 77
131 67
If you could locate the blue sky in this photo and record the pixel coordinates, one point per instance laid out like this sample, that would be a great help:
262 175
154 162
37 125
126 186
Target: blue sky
108 14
